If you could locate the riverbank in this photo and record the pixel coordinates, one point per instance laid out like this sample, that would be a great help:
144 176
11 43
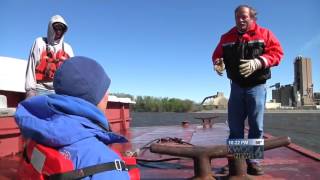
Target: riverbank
301 125
267 111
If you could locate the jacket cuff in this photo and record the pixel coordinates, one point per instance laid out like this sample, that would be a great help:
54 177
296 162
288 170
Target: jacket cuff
217 60
264 62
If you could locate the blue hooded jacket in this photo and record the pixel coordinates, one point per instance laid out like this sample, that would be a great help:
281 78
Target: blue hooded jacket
69 124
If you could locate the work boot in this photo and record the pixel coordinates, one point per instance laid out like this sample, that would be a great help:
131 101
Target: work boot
254 169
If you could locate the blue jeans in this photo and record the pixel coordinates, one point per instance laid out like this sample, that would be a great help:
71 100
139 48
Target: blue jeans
246 103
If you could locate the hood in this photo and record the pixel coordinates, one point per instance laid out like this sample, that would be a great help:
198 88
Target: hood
51 33
59 120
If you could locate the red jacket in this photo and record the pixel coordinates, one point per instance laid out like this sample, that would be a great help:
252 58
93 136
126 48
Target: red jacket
272 49
257 42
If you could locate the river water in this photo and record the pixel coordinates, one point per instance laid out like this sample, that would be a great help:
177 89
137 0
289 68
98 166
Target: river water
303 127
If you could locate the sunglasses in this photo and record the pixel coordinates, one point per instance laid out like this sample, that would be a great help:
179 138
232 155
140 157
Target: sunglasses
59 27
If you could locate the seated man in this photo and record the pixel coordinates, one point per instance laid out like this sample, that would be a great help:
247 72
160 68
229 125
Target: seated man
72 120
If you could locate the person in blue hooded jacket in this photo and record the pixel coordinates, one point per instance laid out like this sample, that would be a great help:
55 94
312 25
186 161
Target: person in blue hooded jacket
72 120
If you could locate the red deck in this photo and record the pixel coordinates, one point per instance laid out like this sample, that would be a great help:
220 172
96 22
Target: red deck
281 163
292 162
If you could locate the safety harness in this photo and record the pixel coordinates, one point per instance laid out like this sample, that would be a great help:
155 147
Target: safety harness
87 171
41 162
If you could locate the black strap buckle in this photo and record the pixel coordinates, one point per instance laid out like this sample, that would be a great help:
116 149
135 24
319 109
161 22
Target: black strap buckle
117 164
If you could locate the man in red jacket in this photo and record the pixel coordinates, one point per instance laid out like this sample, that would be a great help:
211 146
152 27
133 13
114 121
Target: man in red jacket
247 52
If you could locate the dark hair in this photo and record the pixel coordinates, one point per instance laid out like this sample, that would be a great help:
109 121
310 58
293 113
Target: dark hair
253 12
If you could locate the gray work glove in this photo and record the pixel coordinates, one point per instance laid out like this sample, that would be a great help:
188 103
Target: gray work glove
219 66
249 66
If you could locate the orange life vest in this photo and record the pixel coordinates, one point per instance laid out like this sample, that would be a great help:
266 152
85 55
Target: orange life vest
41 163
49 63
131 163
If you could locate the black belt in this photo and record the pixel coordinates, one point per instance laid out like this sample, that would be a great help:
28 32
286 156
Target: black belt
90 170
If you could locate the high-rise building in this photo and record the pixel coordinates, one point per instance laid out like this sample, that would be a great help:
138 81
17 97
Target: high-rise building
303 80
284 95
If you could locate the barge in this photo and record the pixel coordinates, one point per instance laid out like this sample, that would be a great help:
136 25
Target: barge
155 147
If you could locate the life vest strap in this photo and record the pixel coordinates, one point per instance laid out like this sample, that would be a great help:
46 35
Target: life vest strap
90 170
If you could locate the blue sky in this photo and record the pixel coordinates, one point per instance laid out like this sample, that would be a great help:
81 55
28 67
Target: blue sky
162 48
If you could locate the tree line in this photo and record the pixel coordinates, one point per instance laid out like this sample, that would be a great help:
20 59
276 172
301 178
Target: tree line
159 104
